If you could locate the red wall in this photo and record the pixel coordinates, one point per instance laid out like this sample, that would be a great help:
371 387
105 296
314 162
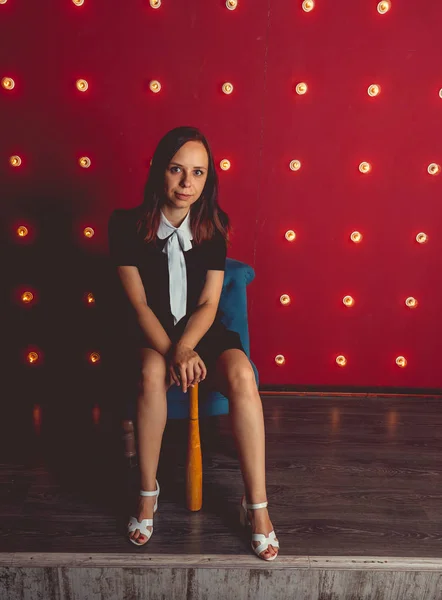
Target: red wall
264 48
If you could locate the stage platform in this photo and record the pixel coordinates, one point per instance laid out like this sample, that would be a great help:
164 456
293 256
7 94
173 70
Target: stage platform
354 489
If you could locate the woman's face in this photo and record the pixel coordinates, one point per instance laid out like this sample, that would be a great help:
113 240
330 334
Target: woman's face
186 175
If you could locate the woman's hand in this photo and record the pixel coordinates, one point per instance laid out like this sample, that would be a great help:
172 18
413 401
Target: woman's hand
186 367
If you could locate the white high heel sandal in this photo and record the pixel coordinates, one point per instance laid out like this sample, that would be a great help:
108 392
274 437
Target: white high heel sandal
142 525
265 542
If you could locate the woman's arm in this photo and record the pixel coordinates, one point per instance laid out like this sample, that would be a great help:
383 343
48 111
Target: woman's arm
205 313
149 323
184 360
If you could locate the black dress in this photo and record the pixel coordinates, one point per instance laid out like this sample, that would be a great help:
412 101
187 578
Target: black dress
128 248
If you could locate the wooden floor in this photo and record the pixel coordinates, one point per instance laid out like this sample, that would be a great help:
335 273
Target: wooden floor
346 476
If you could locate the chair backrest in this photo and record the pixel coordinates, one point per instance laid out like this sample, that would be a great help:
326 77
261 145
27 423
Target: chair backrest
233 301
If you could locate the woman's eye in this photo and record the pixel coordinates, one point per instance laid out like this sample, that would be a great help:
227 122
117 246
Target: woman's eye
197 172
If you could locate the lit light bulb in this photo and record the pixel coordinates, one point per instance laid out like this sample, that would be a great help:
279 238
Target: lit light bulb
231 4
84 162
8 83
3 1
155 86
384 7
295 165
422 238
365 167
301 88
411 302
341 360
348 300
374 90
225 164
15 161
78 2
22 231
401 361
27 297
88 232
90 298
94 357
155 3
308 5
32 357
227 88
82 85
356 237
440 93
285 299
290 235
434 169
279 359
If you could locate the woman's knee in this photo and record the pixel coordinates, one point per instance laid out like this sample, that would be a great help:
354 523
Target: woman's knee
153 369
239 376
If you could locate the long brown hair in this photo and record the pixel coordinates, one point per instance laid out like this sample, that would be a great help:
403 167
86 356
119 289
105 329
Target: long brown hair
206 216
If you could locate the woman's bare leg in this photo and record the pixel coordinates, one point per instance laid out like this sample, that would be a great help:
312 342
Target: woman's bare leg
151 421
236 380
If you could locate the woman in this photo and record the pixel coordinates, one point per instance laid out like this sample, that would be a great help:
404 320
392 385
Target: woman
170 255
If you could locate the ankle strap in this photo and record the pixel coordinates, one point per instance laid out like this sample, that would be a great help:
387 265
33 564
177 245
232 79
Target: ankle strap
254 506
155 493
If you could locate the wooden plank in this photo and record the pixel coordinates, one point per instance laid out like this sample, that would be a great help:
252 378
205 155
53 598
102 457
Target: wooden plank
179 561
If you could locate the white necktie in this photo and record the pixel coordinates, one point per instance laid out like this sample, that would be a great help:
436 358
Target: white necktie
178 242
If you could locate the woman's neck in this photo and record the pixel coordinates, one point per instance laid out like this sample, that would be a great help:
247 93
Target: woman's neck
174 216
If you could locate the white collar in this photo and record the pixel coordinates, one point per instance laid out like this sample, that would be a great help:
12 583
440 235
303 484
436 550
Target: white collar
166 228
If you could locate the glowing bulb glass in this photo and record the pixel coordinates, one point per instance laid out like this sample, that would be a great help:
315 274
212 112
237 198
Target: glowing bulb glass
301 88
365 167
15 161
308 5
295 165
82 85
84 162
401 361
8 83
374 90
155 86
411 302
384 7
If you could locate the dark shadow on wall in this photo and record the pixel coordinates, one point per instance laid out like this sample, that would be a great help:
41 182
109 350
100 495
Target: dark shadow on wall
61 324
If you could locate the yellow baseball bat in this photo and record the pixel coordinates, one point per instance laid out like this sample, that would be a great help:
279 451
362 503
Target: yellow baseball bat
194 469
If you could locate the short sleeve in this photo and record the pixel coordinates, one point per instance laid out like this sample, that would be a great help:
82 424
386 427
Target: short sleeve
122 240
216 253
